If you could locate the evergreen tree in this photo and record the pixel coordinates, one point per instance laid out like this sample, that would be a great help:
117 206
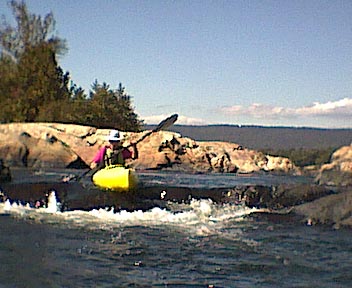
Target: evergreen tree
31 30
42 87
129 118
37 87
76 109
7 80
33 87
111 108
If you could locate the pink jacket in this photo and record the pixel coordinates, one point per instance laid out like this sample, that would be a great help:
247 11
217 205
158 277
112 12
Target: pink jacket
99 157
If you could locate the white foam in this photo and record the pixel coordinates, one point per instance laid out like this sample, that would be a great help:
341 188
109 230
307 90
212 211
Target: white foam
23 209
200 217
53 205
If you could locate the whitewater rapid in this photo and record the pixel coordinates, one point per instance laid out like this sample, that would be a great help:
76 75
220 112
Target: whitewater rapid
199 217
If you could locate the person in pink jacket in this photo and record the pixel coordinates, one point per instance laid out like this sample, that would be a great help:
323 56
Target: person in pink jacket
113 153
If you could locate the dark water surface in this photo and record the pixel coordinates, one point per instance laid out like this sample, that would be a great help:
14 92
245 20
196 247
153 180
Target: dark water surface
201 244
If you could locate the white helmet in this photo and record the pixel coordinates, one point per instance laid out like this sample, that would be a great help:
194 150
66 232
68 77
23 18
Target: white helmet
114 136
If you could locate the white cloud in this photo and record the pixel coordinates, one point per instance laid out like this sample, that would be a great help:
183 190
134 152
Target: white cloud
256 110
190 121
334 109
340 108
332 114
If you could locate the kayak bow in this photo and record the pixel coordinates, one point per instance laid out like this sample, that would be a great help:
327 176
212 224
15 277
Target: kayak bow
115 177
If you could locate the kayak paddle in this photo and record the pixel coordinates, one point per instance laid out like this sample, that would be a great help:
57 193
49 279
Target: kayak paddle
162 126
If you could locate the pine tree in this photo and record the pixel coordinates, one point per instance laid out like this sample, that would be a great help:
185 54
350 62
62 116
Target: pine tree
111 108
34 86
31 30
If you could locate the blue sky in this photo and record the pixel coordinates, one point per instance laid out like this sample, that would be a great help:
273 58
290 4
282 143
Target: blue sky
286 63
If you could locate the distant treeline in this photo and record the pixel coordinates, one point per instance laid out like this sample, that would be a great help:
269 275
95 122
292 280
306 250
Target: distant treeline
34 88
272 138
304 146
303 157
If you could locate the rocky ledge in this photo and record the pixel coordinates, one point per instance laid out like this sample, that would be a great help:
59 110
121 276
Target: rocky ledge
48 145
336 208
45 145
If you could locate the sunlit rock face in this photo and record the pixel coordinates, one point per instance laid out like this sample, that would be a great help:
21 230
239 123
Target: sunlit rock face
339 170
68 145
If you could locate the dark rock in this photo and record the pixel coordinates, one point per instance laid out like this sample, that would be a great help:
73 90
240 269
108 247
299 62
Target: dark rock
339 171
284 196
330 210
277 197
334 178
5 173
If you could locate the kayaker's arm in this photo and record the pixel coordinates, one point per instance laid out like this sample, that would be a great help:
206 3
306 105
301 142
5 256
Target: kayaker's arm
98 158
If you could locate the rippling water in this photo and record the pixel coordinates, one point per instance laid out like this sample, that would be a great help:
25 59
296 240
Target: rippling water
201 244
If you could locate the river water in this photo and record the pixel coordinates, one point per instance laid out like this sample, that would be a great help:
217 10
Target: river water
198 244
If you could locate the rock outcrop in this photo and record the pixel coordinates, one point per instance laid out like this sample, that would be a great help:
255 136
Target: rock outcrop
36 145
67 145
5 173
335 210
339 170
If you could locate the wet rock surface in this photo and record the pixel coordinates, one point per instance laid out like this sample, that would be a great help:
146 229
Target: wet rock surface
333 210
5 173
314 204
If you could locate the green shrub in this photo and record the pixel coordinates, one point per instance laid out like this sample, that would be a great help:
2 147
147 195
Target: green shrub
303 157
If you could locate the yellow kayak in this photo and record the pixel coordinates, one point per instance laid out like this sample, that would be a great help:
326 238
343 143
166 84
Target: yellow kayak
115 177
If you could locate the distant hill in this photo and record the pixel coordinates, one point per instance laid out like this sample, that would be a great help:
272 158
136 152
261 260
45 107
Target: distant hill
260 137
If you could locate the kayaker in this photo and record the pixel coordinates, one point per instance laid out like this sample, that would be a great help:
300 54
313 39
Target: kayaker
114 153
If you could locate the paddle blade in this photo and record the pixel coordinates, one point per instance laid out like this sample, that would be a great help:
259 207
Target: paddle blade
162 125
166 123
